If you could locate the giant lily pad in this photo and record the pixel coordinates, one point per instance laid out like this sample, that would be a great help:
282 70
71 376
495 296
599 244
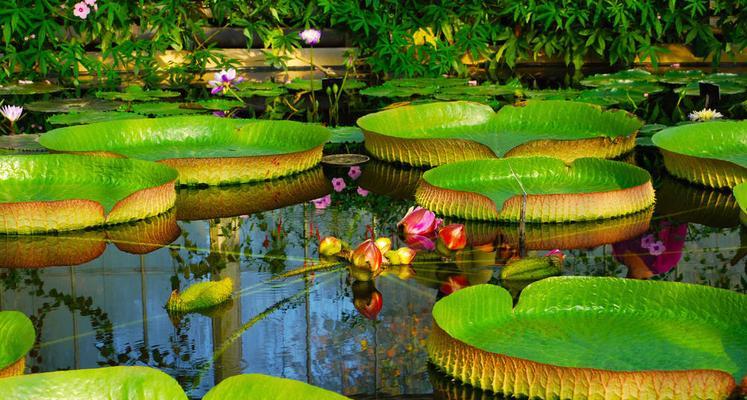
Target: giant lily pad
199 203
618 78
438 133
204 149
66 192
90 117
581 337
17 336
75 248
709 153
137 93
163 108
70 105
264 387
29 88
740 193
587 189
24 143
111 383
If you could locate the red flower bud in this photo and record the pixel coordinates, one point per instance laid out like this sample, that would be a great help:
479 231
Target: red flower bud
367 256
453 236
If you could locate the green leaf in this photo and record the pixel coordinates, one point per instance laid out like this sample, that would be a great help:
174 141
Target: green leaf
136 93
346 134
28 89
720 140
89 117
264 387
68 105
631 75
163 109
17 336
200 296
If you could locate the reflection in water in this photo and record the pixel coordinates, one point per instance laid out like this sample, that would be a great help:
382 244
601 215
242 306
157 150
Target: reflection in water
291 316
686 202
653 253
395 181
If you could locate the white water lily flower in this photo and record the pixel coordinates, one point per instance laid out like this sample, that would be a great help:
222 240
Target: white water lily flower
11 113
705 114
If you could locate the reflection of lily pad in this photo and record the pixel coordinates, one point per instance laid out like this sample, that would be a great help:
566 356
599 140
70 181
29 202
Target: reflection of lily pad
264 387
709 153
346 134
28 89
90 117
571 335
205 149
200 296
75 248
26 143
137 93
162 109
17 336
115 383
68 105
67 192
392 180
683 202
437 133
247 199
587 189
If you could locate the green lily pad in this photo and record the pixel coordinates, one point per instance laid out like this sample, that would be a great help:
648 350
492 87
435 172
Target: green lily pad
200 296
28 89
346 134
80 191
161 108
26 143
72 105
136 93
17 336
589 333
650 129
304 84
725 88
552 94
111 383
427 82
487 90
219 104
90 117
710 153
433 134
740 193
205 149
260 89
395 91
492 189
681 76
617 78
264 387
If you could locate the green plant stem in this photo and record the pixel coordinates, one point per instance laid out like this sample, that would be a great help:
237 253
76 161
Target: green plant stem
311 83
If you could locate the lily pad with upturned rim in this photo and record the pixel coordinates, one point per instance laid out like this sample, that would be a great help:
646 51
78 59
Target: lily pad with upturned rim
59 192
572 337
264 387
709 153
70 105
587 189
740 193
90 117
17 336
204 149
438 133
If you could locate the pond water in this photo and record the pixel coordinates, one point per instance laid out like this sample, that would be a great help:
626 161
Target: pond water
97 297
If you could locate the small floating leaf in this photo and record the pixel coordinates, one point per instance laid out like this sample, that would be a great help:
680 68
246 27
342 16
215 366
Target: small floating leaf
200 296
72 105
136 93
160 109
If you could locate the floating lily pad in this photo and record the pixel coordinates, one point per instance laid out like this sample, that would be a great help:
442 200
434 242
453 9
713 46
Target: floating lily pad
552 94
200 296
437 133
26 143
396 91
90 117
740 193
263 387
488 89
304 84
204 149
161 108
68 105
425 82
260 89
621 77
66 192
10 89
709 153
17 336
219 104
346 134
681 76
595 336
587 189
137 93
725 88
111 383
79 247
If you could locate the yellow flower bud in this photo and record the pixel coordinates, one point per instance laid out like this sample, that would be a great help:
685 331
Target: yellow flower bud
330 246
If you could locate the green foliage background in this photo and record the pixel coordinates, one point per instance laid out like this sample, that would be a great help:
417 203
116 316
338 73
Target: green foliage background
42 38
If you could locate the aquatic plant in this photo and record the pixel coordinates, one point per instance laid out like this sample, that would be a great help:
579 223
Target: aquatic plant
401 256
12 114
546 346
533 268
330 246
224 81
453 236
264 387
537 189
200 296
367 256
17 336
740 193
418 222
67 192
111 383
704 115
438 133
204 149
710 153
653 253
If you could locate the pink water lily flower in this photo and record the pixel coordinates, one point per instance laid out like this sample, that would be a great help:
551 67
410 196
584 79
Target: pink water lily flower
81 10
224 80
338 184
11 113
311 36
354 172
362 192
419 221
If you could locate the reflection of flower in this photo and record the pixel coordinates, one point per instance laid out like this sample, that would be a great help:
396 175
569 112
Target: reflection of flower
311 36
453 236
419 242
418 221
354 172
647 240
705 114
453 283
322 202
338 184
224 80
362 192
657 248
652 253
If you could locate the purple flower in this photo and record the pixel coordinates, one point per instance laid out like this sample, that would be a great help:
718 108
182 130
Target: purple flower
362 192
322 202
81 10
224 80
311 36
354 172
657 248
647 240
338 184
221 114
